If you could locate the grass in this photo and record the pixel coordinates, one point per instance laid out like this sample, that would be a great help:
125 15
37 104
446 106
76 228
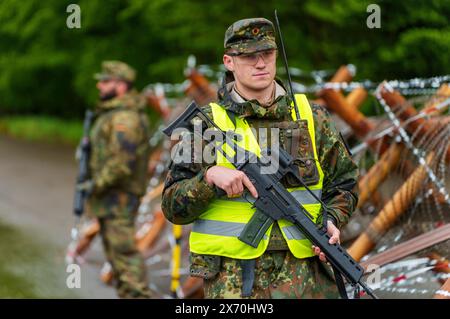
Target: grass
29 268
42 128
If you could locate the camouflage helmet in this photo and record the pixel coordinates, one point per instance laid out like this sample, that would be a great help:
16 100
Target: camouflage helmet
250 35
116 70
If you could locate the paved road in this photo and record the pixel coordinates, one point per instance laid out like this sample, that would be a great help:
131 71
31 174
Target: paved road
36 191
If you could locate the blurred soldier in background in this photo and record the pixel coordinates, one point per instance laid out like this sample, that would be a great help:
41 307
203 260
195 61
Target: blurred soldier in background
118 165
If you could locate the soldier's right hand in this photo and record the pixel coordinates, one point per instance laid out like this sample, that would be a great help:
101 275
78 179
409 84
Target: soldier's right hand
230 180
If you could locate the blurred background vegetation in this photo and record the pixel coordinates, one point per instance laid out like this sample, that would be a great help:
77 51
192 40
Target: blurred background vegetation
46 68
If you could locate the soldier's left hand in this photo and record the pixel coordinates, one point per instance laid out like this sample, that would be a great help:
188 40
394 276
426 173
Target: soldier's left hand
334 233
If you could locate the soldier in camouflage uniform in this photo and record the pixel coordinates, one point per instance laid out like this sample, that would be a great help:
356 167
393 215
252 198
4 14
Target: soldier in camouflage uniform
118 164
251 91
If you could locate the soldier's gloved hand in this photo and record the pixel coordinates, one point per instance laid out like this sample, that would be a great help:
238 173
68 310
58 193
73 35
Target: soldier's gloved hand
231 181
334 233
87 186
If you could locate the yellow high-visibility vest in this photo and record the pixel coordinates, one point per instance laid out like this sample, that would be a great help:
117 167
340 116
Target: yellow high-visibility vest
216 230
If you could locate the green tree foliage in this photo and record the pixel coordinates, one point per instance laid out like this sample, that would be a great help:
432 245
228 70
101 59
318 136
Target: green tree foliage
46 68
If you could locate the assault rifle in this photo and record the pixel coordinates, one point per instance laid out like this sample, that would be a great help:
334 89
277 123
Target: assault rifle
274 202
83 164
82 154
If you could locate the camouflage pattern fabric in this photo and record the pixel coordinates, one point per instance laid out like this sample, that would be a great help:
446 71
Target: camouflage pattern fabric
118 165
116 70
186 194
117 231
278 275
120 148
249 36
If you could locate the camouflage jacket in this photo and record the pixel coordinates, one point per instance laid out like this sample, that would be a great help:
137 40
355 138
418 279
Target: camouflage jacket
186 193
120 149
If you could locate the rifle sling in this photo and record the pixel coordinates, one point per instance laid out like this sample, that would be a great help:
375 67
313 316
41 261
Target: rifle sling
340 283
248 276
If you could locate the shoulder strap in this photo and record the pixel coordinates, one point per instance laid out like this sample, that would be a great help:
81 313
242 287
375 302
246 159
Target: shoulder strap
305 111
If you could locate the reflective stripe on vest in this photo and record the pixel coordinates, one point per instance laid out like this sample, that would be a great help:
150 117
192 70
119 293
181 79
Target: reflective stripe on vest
231 229
216 230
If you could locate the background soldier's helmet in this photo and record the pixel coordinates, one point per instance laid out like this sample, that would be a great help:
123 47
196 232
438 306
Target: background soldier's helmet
116 70
250 35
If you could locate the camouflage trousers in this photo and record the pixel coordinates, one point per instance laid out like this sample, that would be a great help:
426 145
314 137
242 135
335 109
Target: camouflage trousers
116 213
278 275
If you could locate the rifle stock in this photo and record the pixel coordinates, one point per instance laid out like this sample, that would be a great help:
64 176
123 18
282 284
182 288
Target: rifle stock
183 121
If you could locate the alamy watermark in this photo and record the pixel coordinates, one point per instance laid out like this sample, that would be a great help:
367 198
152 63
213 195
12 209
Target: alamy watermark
73 279
374 19
73 21
374 277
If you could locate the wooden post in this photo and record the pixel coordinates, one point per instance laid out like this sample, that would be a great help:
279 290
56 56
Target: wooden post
413 246
199 88
361 126
441 95
154 160
155 192
338 104
378 172
343 74
397 102
158 102
147 234
88 233
390 213
419 126
356 97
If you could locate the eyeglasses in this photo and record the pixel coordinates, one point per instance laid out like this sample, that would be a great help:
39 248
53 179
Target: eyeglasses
252 59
